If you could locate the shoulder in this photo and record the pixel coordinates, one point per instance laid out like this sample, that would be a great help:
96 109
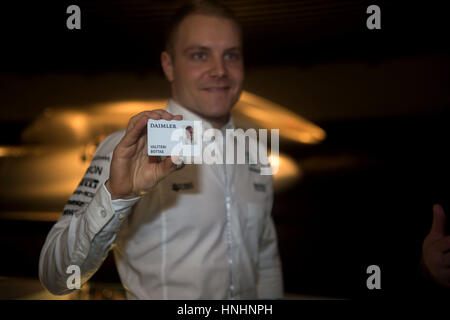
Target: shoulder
108 144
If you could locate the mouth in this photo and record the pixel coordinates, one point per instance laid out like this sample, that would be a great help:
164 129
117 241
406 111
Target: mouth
217 89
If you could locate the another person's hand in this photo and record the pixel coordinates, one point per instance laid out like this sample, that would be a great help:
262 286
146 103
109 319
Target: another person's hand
436 249
132 171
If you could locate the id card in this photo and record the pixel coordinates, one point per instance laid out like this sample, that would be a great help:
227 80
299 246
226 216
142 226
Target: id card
173 137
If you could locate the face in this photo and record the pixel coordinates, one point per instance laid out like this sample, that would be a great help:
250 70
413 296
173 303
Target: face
206 69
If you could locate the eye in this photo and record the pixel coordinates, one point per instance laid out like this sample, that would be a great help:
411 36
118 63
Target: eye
234 56
199 56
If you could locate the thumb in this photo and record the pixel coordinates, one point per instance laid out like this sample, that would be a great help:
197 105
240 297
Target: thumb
438 227
168 166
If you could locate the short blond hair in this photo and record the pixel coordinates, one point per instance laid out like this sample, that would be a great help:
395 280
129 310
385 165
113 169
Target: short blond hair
204 7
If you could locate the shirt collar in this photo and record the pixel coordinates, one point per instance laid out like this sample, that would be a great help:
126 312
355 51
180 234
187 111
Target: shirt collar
176 109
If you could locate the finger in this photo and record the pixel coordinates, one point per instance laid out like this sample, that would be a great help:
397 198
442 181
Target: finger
136 126
139 121
177 162
167 115
168 166
149 114
442 245
163 114
438 226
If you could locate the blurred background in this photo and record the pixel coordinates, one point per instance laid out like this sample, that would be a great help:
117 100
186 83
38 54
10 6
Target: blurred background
363 118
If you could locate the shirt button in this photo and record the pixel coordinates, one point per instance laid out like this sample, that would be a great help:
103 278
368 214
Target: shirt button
121 216
103 213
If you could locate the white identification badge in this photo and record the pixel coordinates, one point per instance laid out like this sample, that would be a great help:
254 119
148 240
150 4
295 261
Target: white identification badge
174 137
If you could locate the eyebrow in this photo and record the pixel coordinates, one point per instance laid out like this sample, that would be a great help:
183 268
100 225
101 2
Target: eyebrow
203 48
234 49
192 48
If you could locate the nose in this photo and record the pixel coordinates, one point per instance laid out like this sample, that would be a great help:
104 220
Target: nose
218 69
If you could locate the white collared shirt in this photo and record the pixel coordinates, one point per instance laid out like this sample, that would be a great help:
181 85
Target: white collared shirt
204 232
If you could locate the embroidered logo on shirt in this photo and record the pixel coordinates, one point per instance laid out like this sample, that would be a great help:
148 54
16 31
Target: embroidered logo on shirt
182 186
106 158
68 212
260 187
254 168
89 182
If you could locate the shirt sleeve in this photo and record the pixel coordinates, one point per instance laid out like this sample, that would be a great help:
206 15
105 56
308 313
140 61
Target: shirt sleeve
270 278
120 205
86 230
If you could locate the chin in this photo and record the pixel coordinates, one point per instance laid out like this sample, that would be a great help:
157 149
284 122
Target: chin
218 111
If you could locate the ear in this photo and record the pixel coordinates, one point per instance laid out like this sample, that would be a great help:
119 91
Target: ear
167 65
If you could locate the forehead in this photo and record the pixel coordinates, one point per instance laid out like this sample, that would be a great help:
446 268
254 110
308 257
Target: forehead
208 31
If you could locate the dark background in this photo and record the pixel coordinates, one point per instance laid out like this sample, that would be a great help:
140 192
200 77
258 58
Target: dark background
367 191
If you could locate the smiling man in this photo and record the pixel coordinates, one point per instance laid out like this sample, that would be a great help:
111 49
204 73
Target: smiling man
196 232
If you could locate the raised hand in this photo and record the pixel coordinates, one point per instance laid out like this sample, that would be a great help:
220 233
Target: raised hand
132 171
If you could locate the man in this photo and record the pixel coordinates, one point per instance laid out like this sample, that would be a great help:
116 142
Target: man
200 232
